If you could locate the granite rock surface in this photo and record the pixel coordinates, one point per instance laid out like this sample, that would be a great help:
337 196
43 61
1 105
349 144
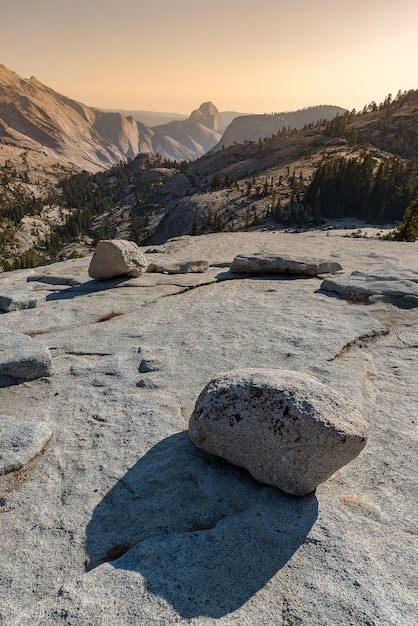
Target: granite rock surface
122 520
20 442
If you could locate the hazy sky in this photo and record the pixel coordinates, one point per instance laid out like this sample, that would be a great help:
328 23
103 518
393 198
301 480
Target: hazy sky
243 55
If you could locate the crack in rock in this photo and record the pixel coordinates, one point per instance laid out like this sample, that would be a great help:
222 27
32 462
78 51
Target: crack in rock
358 343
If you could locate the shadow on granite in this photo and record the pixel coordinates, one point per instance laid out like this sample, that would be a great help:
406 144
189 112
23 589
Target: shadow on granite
203 533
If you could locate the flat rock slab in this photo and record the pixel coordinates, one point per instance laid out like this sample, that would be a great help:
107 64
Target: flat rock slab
20 442
20 300
286 428
117 257
183 267
261 264
359 286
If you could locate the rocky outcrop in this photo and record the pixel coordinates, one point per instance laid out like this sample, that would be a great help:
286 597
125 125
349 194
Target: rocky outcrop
116 257
20 442
263 264
286 428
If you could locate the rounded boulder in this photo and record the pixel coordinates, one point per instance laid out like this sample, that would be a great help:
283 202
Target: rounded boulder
286 428
116 257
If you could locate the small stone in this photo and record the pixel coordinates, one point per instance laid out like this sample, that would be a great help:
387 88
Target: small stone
19 301
10 340
286 428
116 257
20 442
26 363
262 264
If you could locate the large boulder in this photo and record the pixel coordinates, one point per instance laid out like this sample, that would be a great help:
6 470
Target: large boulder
286 428
262 264
116 257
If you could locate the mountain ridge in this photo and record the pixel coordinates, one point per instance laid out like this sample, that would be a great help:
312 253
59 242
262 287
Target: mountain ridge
35 116
259 126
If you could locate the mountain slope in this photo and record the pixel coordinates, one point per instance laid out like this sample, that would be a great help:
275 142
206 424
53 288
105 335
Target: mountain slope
254 127
235 187
34 116
37 117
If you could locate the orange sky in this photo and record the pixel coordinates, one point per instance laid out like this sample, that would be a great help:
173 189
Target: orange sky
243 55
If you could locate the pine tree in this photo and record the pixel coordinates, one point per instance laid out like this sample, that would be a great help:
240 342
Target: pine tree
408 230
195 225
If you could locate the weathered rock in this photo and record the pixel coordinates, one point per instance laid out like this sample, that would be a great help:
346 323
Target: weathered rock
26 363
116 257
359 286
261 264
286 428
18 301
10 340
186 267
20 442
21 358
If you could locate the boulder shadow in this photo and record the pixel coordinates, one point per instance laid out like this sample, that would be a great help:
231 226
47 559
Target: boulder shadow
90 286
203 533
228 275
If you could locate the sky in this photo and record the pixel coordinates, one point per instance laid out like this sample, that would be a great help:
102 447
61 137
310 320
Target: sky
255 56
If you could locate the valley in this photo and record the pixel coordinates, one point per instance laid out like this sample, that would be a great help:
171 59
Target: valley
57 202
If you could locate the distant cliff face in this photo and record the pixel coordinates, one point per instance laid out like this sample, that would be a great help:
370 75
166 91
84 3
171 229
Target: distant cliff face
208 115
252 127
35 116
191 138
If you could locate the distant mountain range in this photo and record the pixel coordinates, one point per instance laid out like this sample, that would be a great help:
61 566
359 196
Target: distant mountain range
158 118
34 116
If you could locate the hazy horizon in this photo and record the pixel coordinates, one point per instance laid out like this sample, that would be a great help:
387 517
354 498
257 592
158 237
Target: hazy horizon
262 57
